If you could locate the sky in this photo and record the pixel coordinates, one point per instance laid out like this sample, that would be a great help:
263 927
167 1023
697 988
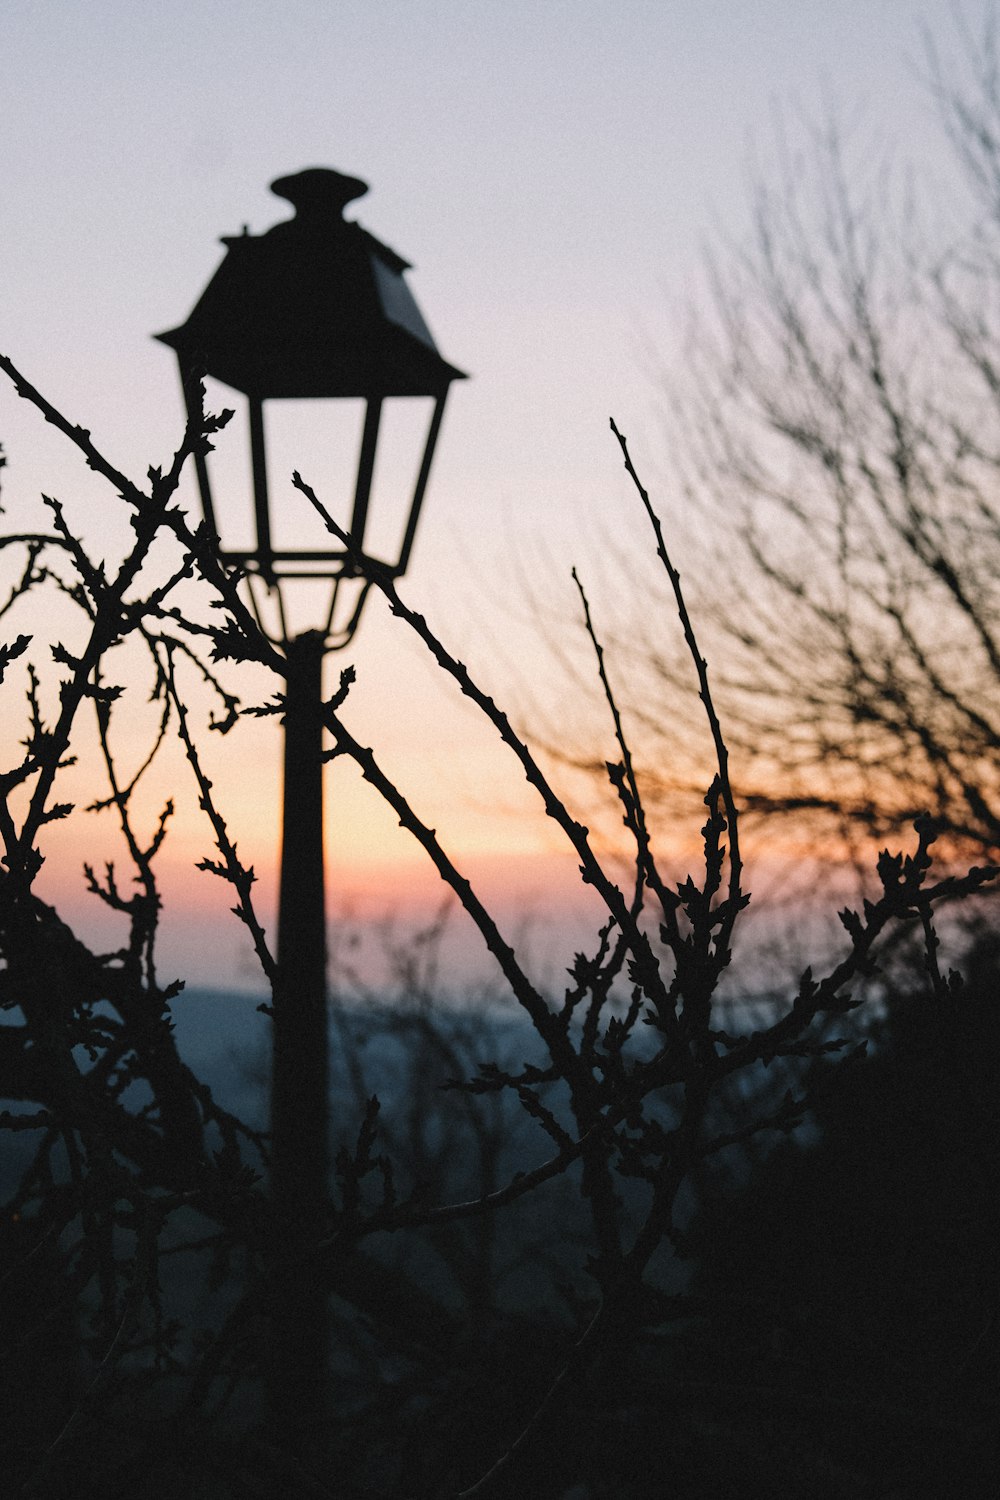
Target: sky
554 172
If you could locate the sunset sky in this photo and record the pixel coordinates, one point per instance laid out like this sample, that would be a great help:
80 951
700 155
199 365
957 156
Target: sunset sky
553 170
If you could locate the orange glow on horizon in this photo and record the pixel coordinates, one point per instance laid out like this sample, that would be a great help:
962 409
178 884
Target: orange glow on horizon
379 880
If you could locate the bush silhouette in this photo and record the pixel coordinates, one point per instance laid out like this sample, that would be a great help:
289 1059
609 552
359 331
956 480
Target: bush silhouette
858 1272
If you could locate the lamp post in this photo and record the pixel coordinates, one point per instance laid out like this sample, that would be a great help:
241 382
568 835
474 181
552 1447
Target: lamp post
314 308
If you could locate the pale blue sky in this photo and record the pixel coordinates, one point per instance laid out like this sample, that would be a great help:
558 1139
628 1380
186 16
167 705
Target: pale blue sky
552 169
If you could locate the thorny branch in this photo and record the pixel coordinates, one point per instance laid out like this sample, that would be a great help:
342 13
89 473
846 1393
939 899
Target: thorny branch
642 1075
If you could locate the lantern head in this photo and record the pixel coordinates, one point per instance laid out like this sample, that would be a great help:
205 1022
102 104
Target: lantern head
314 308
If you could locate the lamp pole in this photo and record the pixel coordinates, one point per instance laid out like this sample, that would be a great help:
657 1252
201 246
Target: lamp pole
300 1086
314 308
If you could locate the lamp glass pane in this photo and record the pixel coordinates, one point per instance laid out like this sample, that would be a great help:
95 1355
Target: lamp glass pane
229 469
321 439
402 438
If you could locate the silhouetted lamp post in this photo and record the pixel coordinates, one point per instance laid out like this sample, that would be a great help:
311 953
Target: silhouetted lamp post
315 308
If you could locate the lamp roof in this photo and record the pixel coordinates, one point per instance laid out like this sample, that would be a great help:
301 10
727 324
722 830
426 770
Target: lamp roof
315 306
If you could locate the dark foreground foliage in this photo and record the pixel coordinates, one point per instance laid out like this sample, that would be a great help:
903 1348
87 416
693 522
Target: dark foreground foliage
851 1285
506 1250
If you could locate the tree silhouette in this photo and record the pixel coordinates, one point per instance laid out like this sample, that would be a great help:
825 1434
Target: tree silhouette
835 417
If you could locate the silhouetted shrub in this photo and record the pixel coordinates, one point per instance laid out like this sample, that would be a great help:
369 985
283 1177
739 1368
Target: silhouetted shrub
851 1283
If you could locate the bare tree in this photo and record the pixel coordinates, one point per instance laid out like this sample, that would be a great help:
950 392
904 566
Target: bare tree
838 419
833 426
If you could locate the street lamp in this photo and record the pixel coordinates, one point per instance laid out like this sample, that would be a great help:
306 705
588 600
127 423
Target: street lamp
316 308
